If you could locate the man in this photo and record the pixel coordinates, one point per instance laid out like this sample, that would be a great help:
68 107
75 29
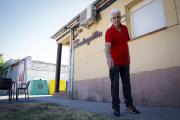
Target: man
118 60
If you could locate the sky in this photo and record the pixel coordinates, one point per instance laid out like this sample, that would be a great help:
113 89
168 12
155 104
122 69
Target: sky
27 25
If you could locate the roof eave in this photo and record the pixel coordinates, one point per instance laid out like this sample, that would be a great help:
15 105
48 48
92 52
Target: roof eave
65 25
76 17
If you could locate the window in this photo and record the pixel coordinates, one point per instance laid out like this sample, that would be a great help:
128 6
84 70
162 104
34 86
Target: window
146 17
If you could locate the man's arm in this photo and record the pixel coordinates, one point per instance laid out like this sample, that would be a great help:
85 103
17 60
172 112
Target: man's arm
110 61
128 53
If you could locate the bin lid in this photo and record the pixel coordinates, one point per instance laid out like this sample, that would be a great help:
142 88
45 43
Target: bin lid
40 79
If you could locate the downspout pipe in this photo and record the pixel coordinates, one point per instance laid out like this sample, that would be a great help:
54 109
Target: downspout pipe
72 66
69 92
72 59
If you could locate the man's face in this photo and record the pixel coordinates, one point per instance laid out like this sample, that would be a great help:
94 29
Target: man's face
115 19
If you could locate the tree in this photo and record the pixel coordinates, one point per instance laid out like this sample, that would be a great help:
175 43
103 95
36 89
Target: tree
1 63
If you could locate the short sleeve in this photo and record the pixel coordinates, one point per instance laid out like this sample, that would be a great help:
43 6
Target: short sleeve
108 37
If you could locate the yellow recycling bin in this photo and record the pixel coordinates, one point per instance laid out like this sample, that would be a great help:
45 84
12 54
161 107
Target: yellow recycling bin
51 86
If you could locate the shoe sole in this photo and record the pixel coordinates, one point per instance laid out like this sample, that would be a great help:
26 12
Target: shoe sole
130 110
116 115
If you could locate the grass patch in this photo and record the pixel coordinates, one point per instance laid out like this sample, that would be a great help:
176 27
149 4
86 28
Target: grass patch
47 111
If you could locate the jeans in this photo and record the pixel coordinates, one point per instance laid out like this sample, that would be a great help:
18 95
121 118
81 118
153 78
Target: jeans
126 86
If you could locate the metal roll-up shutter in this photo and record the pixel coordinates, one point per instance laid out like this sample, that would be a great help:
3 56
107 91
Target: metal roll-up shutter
146 17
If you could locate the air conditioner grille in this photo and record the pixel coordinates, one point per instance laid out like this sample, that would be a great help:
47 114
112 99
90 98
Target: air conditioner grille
83 16
87 17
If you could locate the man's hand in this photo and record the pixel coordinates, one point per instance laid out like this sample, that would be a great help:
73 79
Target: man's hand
110 62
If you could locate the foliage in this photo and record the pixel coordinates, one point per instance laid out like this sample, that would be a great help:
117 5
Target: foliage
1 63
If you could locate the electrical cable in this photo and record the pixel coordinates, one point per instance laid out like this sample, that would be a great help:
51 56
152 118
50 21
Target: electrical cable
94 27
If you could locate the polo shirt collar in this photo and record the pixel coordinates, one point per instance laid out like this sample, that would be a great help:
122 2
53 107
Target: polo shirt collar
114 29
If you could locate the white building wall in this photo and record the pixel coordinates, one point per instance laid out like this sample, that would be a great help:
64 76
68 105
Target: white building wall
32 69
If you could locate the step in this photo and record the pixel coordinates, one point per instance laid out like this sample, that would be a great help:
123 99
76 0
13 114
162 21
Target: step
61 94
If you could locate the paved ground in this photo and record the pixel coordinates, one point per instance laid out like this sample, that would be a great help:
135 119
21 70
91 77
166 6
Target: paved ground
147 113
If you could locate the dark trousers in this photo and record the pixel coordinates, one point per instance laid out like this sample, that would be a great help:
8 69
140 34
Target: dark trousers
126 86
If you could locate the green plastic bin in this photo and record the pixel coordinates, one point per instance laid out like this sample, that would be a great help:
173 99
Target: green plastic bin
39 87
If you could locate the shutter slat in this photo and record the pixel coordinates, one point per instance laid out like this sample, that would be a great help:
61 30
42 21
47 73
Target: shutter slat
148 18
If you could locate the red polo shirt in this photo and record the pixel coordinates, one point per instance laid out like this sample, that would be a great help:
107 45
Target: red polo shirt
118 42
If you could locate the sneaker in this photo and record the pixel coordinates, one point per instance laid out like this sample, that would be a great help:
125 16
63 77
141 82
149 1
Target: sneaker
132 109
116 111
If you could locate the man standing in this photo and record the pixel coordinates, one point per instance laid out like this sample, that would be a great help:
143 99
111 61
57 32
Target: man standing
118 60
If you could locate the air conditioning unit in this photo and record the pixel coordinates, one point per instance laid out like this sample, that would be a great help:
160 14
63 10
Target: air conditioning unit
87 17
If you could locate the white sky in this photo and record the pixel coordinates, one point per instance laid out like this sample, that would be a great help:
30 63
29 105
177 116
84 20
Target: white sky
27 25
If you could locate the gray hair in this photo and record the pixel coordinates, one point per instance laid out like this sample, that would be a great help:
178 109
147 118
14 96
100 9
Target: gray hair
114 11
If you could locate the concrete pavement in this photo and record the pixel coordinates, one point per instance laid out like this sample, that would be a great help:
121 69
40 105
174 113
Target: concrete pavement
147 112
